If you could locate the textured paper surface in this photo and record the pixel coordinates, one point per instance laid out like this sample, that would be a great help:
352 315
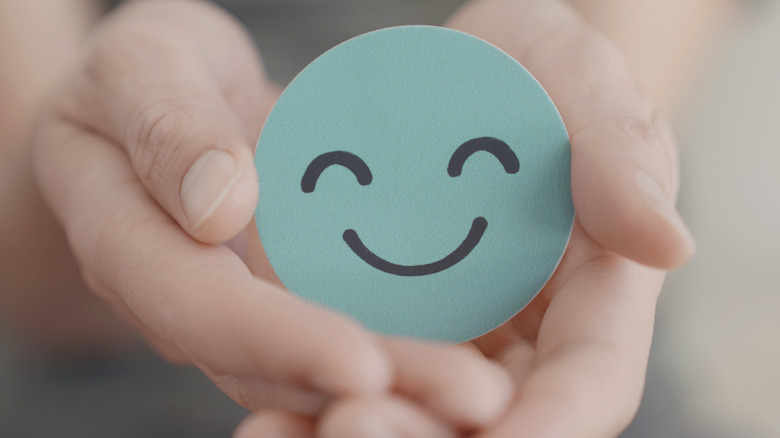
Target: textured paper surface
366 207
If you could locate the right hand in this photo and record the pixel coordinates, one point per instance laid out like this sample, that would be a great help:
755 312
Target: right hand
578 352
145 157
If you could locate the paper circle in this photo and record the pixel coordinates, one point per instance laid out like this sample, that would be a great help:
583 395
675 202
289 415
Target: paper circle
415 178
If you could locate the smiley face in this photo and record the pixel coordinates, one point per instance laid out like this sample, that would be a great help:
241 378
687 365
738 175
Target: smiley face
357 166
417 179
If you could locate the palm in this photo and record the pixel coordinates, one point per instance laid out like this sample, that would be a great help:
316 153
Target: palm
578 352
587 314
113 153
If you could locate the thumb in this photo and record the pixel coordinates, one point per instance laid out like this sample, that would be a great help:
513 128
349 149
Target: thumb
624 160
624 182
172 84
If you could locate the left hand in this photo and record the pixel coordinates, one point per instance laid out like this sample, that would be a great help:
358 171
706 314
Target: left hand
579 351
119 157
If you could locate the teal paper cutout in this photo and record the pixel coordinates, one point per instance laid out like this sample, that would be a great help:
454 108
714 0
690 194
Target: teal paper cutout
373 124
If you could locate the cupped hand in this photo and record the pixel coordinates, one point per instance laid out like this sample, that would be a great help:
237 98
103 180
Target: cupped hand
145 157
578 353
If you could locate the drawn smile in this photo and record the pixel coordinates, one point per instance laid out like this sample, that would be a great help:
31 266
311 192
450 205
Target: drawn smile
472 239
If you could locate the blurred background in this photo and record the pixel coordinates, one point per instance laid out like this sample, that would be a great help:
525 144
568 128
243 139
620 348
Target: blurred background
716 355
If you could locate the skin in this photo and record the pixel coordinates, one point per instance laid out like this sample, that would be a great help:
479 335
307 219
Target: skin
110 153
51 312
112 148
663 63
578 353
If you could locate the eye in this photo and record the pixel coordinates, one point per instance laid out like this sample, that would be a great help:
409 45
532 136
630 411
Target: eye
498 148
351 161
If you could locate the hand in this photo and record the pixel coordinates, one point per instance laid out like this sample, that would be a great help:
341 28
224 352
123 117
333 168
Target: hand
578 353
42 299
145 157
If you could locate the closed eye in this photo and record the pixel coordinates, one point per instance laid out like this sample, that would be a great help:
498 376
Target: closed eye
498 148
346 159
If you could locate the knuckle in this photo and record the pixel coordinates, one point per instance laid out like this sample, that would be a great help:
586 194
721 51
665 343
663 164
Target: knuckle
599 47
600 59
638 130
579 49
158 131
254 401
253 397
659 151
468 359
104 60
344 409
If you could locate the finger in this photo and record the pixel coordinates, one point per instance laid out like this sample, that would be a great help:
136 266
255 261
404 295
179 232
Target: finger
254 394
385 417
258 395
201 299
456 383
518 358
275 424
165 349
591 354
624 168
174 84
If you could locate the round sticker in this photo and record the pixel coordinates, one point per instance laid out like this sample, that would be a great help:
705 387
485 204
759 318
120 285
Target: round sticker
415 178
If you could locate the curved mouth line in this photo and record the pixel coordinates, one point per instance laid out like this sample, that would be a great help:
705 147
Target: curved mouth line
472 239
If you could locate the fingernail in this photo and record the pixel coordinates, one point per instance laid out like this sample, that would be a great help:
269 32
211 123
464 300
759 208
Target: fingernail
207 183
660 203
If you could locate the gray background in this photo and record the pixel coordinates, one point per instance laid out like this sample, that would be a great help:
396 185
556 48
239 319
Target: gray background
716 355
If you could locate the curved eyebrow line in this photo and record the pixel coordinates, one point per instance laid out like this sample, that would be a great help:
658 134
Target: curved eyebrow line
498 148
346 159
